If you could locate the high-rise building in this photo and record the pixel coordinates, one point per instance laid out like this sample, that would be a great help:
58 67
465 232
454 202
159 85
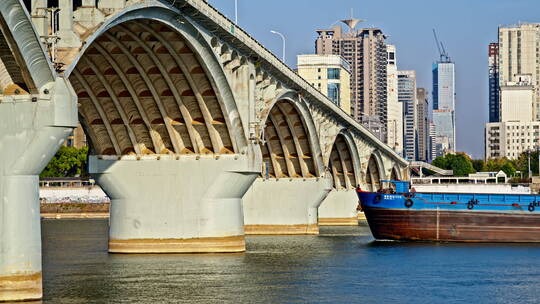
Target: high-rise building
432 144
494 105
330 74
444 102
394 107
519 52
365 49
407 97
422 119
444 131
517 100
511 138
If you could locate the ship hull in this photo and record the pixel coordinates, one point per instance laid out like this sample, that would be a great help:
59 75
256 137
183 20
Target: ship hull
452 226
449 217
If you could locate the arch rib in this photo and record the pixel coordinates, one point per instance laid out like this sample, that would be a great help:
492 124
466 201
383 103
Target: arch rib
301 161
130 88
195 138
116 102
175 137
217 143
159 143
100 111
346 173
277 167
286 153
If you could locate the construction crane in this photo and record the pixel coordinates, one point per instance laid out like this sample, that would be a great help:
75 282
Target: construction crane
440 46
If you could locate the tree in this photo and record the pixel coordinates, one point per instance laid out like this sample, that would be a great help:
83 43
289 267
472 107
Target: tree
460 163
509 169
440 161
67 162
479 165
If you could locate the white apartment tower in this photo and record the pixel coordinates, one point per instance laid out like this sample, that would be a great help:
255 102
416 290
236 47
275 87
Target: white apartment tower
519 54
407 97
394 107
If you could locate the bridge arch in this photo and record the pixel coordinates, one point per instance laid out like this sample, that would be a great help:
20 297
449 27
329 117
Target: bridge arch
291 147
343 162
395 174
149 83
374 172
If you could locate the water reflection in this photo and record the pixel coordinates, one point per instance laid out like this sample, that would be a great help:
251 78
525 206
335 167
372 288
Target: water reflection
342 265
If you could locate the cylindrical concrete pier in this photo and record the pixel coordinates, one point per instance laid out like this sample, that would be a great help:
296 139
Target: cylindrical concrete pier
339 208
186 205
284 206
20 239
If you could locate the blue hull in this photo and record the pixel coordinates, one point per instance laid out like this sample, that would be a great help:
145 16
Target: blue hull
453 217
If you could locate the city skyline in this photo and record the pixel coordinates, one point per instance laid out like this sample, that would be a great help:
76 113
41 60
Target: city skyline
466 41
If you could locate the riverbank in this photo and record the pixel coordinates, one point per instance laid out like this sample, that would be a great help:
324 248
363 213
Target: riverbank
74 210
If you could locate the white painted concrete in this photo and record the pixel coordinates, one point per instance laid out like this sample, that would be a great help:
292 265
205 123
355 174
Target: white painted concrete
472 188
339 204
285 201
187 198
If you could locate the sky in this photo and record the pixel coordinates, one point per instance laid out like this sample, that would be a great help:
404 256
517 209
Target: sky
466 27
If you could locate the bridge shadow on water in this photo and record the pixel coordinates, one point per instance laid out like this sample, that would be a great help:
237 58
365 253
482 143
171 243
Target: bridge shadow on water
341 265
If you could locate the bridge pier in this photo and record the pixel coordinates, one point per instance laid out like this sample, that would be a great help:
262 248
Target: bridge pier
31 130
339 208
285 205
189 204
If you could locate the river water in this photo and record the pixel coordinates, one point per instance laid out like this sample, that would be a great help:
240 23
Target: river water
342 265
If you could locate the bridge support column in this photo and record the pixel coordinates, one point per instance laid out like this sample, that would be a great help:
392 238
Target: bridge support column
339 209
187 205
284 206
20 244
31 130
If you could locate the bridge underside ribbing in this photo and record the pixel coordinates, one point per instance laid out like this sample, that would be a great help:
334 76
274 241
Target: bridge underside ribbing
142 90
339 207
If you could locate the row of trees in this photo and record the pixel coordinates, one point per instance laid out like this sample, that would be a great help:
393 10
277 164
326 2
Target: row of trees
463 165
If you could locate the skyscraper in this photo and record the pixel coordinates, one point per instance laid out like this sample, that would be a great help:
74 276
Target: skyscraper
494 105
365 50
444 104
422 120
407 97
394 107
519 50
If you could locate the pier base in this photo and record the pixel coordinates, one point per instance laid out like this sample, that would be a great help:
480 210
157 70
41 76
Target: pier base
20 244
186 205
284 206
339 209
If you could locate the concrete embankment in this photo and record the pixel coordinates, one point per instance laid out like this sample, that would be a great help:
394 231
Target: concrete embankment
74 210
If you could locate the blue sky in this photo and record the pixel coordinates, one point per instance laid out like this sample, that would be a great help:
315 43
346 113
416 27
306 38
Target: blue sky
465 26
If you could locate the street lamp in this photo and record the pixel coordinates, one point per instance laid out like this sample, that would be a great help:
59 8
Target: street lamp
283 39
235 11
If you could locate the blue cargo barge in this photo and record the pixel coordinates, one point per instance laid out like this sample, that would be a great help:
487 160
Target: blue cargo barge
396 213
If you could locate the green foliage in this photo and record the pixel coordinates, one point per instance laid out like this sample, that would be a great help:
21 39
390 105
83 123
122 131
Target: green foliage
509 169
479 165
459 162
68 162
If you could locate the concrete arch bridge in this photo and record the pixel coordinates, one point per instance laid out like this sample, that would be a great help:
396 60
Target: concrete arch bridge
197 133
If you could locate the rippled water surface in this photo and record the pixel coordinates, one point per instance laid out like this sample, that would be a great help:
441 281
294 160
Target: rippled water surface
342 265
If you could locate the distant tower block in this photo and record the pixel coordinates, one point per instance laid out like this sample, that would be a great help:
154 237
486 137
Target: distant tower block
68 38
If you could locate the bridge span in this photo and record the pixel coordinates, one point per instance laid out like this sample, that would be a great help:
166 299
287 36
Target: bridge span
197 133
